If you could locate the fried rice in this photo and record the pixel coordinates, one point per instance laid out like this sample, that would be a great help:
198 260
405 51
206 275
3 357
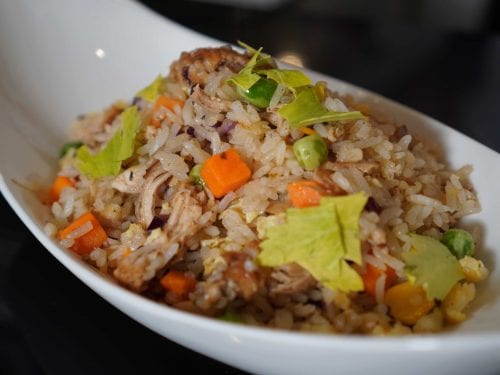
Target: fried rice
159 220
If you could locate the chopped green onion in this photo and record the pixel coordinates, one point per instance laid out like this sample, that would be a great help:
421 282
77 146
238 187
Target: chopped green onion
260 93
68 146
310 151
459 242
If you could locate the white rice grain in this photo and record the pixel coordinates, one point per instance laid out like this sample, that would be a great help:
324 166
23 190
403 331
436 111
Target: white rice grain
174 164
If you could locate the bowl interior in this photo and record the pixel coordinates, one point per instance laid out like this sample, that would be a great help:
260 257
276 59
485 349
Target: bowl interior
53 67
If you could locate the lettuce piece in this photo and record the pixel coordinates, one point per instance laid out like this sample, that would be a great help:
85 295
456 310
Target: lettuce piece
321 239
244 81
151 91
108 161
249 75
291 79
430 264
349 209
305 105
247 47
288 78
264 59
246 78
307 110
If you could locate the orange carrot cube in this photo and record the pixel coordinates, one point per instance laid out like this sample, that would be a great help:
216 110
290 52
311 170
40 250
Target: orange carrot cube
87 242
304 193
59 184
225 172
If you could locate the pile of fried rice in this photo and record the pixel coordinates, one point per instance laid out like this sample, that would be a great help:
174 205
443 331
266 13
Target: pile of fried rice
159 220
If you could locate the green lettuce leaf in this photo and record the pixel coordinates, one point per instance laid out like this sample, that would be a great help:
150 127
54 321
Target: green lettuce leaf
349 209
430 264
246 78
245 81
151 91
288 78
108 161
291 79
307 110
247 47
305 105
321 239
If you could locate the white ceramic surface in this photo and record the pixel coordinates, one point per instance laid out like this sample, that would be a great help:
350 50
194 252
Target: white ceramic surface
61 58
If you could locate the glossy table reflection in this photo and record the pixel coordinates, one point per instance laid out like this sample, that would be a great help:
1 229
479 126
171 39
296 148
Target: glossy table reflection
51 323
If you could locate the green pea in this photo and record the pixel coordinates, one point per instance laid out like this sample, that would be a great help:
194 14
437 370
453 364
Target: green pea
195 175
68 146
310 151
459 242
260 93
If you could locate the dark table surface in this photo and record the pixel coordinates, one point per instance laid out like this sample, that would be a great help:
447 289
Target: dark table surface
51 323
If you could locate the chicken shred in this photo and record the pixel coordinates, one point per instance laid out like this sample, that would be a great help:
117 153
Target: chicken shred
145 208
163 245
291 278
194 67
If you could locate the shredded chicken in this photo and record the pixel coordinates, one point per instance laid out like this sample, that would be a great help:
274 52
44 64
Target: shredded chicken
193 67
291 278
167 243
272 117
131 180
183 218
142 264
241 274
145 208
211 103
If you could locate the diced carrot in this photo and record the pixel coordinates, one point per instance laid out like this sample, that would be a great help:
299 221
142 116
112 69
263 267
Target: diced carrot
178 283
87 242
57 187
158 112
373 273
305 193
307 130
225 172
408 302
127 252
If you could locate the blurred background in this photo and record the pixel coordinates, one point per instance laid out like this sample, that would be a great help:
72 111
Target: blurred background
439 57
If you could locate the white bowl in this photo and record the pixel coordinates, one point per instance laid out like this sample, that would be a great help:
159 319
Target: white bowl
62 58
